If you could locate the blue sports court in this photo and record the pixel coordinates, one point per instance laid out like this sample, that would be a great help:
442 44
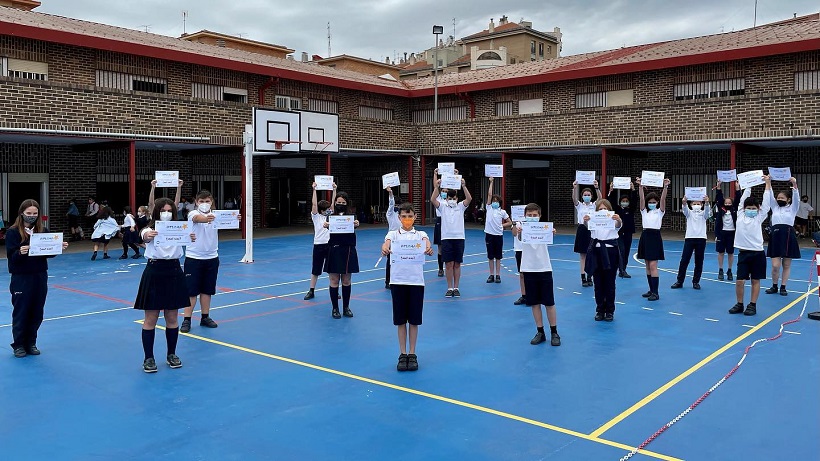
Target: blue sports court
281 379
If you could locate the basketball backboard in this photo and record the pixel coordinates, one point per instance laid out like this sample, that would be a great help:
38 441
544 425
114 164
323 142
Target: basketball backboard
319 127
276 131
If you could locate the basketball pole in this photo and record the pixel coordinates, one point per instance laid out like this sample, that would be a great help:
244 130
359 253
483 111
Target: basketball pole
247 219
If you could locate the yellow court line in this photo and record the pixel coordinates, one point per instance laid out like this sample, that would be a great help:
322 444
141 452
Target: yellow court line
428 395
640 404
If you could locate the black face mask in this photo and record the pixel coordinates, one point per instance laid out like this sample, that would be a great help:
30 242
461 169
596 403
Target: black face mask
340 208
782 202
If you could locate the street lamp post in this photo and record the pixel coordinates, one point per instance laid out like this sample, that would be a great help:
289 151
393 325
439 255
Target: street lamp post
437 30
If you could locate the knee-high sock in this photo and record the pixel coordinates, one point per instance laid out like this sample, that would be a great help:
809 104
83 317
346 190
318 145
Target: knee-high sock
346 295
655 281
440 263
148 343
334 297
171 337
649 281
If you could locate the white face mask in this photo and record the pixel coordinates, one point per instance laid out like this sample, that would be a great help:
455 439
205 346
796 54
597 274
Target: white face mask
165 215
696 207
204 207
452 202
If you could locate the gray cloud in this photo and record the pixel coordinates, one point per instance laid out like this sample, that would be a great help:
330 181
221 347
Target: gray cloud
378 28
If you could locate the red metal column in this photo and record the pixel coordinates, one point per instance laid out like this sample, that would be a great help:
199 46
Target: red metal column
423 191
602 184
503 193
132 176
732 165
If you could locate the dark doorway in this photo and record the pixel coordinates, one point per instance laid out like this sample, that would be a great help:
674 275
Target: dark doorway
19 191
278 212
537 190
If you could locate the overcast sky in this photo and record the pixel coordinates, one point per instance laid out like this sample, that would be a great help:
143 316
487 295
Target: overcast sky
376 29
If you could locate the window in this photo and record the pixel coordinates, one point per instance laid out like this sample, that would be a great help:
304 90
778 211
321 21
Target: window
587 100
377 113
807 80
710 89
128 82
148 84
504 108
532 47
288 103
541 50
323 105
18 68
218 93
234 94
530 106
445 114
489 55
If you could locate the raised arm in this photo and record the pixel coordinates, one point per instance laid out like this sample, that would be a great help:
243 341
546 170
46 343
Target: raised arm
768 198
666 183
391 202
597 187
575 201
707 207
333 196
684 208
642 205
467 196
489 193
795 206
178 196
436 192
151 196
314 204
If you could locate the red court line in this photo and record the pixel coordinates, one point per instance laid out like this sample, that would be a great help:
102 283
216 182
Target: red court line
95 295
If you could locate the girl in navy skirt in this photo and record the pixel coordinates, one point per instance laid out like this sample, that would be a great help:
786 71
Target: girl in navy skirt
583 207
342 259
725 225
162 288
783 245
129 234
650 247
143 218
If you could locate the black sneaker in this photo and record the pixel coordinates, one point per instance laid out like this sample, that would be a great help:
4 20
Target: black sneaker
173 361
729 275
720 274
94 256
309 295
555 340
402 365
676 285
208 322
149 365
456 293
520 301
653 297
347 312
449 293
736 309
751 309
783 291
538 338
123 257
440 273
20 352
136 256
32 350
105 256
185 327
599 316
625 275
490 279
497 279
412 362
336 314
386 286
771 290
609 316
647 294
696 285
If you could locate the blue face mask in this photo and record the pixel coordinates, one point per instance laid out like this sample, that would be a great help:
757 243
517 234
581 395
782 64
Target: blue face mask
495 205
587 198
532 218
750 213
651 206
443 195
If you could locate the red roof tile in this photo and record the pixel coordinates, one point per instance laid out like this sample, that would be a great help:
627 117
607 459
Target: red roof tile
510 26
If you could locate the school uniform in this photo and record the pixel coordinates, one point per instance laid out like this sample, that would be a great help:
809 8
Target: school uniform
494 231
537 269
452 231
393 223
603 261
201 257
783 239
142 223
582 233
73 216
341 256
751 259
650 246
517 248
694 242
28 287
627 229
407 281
162 280
803 211
129 238
321 236
437 229
104 230
725 219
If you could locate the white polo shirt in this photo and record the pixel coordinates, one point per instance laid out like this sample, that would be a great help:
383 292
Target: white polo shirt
493 220
605 234
452 220
535 258
320 234
517 243
407 274
804 210
748 233
651 219
583 209
393 221
154 251
728 222
206 245
784 214
696 222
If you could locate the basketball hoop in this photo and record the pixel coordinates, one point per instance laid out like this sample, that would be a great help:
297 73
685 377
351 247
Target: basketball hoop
279 144
319 147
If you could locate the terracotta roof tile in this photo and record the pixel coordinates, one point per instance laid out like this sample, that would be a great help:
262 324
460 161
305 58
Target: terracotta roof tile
500 28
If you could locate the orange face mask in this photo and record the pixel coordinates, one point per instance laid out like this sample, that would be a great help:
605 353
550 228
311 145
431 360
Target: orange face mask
407 222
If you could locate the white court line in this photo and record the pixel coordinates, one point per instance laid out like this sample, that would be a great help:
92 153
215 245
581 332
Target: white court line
791 332
576 293
84 314
711 320
675 313
747 326
647 309
620 302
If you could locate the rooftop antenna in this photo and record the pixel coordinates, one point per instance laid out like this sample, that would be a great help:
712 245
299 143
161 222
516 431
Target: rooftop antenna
755 21
328 40
454 28
145 27
184 19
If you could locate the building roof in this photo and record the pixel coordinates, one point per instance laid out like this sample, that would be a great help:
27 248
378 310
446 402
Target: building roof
505 29
232 38
347 57
793 36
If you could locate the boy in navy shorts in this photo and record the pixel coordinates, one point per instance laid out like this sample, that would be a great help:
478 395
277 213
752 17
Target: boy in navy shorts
452 233
751 260
321 235
404 247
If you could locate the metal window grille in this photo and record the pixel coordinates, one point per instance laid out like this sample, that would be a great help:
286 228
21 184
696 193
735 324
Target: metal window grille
377 113
807 80
445 114
710 89
323 105
587 100
288 103
128 82
504 108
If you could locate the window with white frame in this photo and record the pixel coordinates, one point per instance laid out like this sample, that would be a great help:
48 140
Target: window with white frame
128 82
504 108
587 100
530 106
19 68
710 89
218 93
377 113
323 105
807 80
288 103
445 114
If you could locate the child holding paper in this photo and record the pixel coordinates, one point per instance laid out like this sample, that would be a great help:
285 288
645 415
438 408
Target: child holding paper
650 246
783 246
437 230
751 259
319 212
393 223
515 227
695 239
452 233
29 279
583 207
603 260
537 269
105 229
725 219
407 285
129 234
162 288
342 259
628 205
496 220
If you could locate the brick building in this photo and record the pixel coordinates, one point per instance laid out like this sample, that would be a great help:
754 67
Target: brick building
91 109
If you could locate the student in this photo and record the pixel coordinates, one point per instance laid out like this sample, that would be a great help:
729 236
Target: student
452 233
751 259
437 234
201 262
603 261
495 221
92 211
804 213
694 240
650 246
783 246
161 288
515 227
628 205
151 201
583 207
105 229
319 212
74 221
537 269
143 218
129 234
407 285
342 259
725 219
393 223
29 279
